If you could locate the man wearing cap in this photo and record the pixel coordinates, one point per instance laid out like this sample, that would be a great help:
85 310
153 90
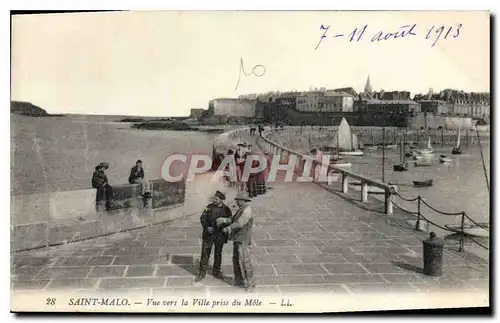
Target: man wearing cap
137 176
240 230
100 182
213 235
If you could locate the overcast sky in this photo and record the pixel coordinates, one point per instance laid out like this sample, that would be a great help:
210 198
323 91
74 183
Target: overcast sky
165 63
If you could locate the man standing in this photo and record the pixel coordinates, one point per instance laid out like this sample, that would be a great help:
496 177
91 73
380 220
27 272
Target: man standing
240 231
137 176
213 235
104 190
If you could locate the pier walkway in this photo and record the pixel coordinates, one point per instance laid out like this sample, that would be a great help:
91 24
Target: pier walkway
306 239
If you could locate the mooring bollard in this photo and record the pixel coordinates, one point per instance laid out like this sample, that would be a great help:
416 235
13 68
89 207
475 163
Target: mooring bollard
433 255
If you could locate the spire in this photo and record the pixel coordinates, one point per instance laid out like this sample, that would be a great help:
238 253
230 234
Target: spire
368 86
430 94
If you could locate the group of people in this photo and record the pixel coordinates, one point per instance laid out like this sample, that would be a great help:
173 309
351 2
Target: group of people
105 191
253 129
255 184
220 226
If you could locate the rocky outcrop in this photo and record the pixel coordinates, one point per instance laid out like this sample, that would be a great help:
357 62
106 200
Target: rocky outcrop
27 109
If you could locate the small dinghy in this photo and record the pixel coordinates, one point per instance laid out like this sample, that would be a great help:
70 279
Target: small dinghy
417 157
400 168
445 159
423 164
428 182
370 148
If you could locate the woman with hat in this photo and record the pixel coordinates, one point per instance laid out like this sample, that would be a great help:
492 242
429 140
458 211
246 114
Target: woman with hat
240 158
100 182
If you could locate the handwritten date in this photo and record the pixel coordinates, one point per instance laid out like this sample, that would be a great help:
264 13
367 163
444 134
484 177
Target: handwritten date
434 34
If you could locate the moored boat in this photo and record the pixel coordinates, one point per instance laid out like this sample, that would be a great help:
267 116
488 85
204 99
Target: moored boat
456 150
423 164
425 183
427 151
347 142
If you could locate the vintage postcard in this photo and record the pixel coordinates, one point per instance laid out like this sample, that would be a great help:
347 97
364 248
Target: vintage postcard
250 161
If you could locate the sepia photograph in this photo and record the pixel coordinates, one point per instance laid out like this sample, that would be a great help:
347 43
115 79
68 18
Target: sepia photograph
250 161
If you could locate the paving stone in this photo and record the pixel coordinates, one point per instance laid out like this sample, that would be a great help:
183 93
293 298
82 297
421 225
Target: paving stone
62 272
381 288
141 260
125 283
175 243
403 278
292 250
180 292
107 271
72 284
310 243
29 285
290 279
276 259
344 268
177 270
27 260
313 289
354 278
382 268
288 269
100 260
140 271
258 270
275 242
180 281
72 261
24 273
323 258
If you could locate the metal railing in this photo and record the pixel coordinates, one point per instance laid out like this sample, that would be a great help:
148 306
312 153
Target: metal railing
389 191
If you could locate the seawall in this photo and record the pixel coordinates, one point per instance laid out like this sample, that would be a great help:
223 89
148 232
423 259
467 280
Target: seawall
48 219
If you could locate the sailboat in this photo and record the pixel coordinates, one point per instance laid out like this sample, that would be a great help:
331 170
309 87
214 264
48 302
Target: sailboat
427 151
457 150
347 141
401 167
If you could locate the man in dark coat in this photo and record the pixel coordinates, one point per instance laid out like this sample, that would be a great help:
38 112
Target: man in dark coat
100 182
213 235
137 176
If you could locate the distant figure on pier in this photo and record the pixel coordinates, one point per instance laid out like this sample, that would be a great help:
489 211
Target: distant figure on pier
261 129
104 190
240 158
137 176
252 130
228 179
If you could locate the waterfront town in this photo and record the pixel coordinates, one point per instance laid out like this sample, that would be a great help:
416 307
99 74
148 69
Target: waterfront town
446 109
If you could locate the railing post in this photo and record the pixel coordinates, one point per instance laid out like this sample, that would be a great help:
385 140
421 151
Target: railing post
417 225
462 239
388 202
364 191
345 186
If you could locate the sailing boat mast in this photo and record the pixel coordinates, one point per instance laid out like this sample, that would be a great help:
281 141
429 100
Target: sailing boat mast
458 138
383 154
482 158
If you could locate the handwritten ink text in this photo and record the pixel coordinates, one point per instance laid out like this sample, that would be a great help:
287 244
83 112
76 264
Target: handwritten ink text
257 70
435 33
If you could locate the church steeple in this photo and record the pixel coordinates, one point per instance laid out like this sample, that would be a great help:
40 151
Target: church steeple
368 86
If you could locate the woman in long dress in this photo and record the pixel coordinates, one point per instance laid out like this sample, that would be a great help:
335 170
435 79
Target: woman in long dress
240 158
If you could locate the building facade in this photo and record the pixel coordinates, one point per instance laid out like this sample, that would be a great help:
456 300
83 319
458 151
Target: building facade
232 108
333 101
309 101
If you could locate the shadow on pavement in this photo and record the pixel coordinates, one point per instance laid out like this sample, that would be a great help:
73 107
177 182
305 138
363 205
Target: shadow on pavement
408 267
